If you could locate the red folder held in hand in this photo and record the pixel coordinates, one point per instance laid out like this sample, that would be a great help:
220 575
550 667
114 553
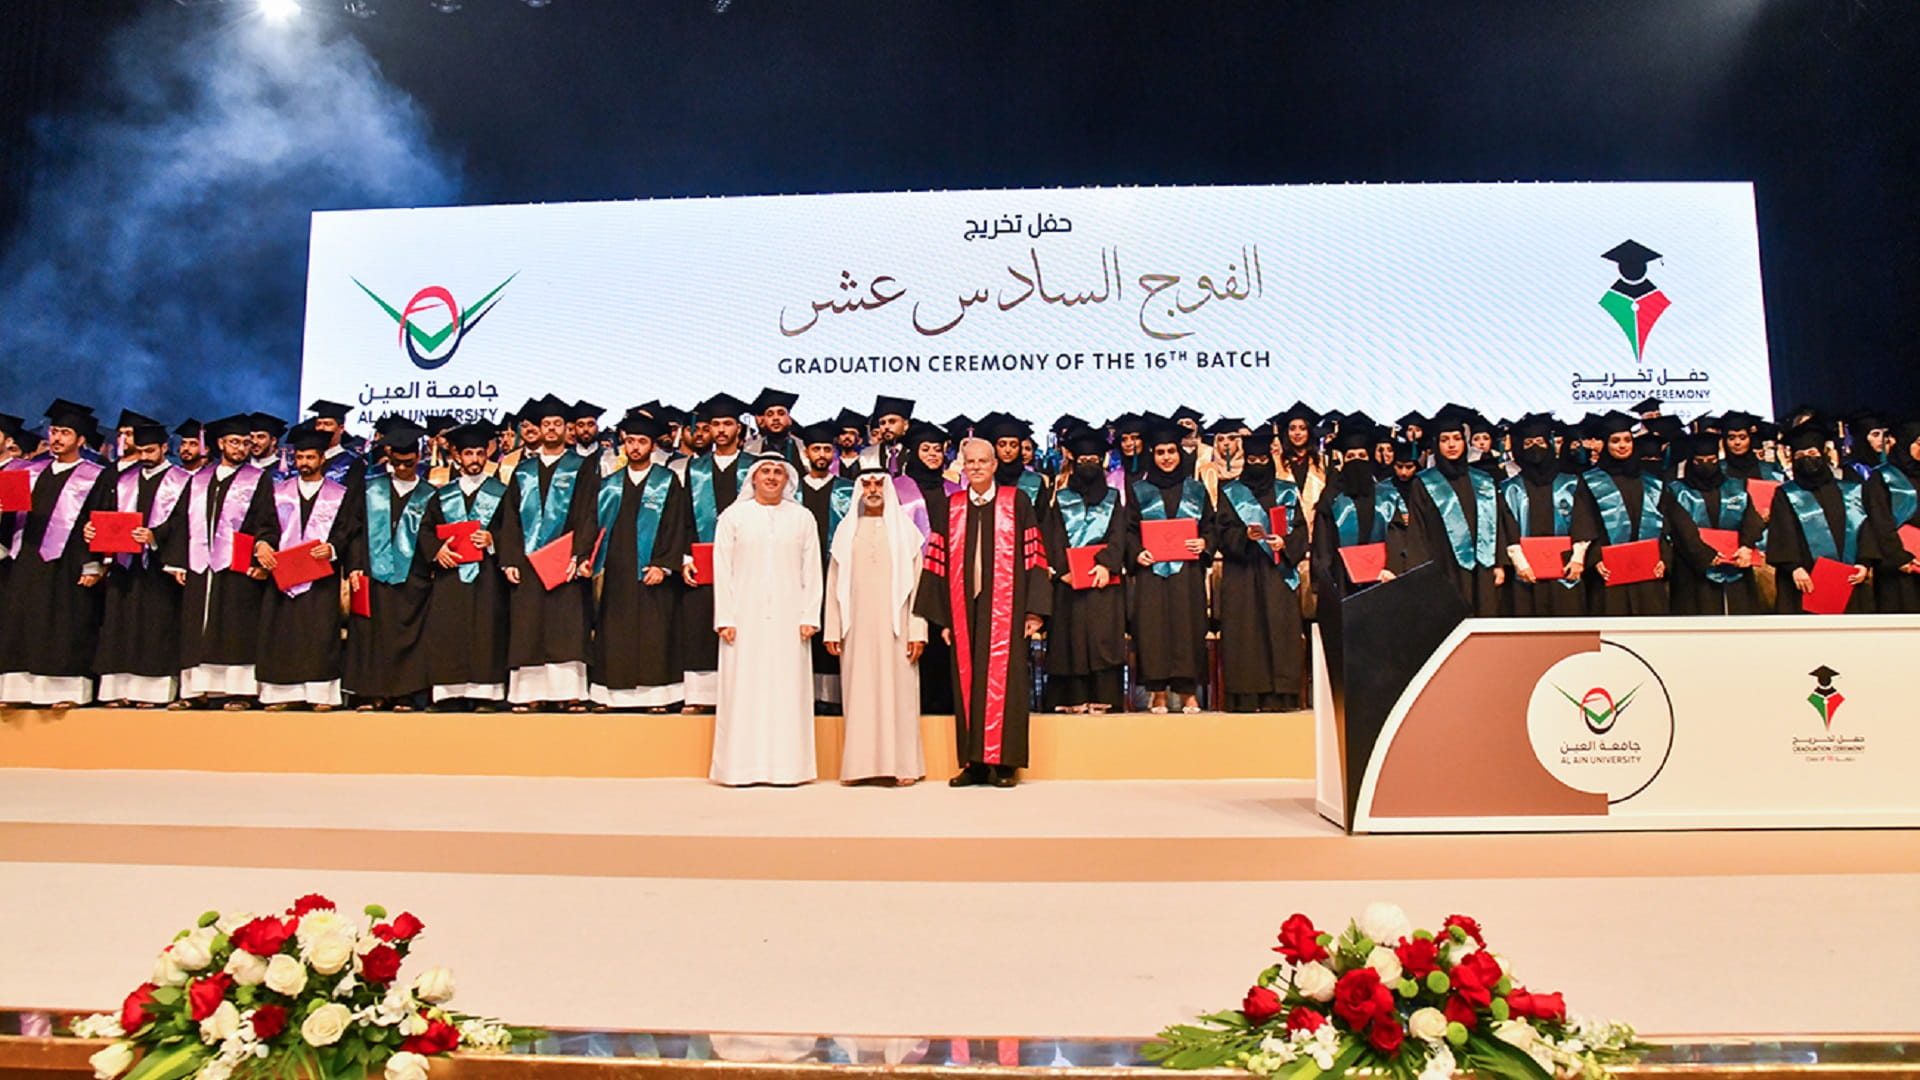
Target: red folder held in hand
1080 563
113 532
1761 493
242 560
550 562
1547 555
1831 589
703 564
1722 541
1364 562
1277 521
360 596
16 490
459 534
299 565
1910 539
1628 564
1167 539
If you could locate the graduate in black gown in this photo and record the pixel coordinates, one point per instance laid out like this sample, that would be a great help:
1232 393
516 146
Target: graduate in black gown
466 631
828 498
138 657
1620 503
1010 436
386 664
714 479
211 554
925 503
341 464
1262 643
1891 504
300 651
647 522
1453 518
1087 634
1816 515
1167 599
53 599
1358 508
1538 502
1703 580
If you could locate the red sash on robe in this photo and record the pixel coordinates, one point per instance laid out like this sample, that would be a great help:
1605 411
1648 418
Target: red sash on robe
1000 624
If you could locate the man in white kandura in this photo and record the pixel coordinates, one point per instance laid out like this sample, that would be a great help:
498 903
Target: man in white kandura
871 626
766 603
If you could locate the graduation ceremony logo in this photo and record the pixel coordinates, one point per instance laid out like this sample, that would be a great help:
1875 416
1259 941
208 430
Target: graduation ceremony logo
1635 302
1601 722
1826 700
433 324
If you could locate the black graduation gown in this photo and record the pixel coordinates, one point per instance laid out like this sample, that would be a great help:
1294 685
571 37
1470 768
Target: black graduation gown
1691 591
634 644
1427 542
1894 590
1169 614
220 609
300 635
1551 598
466 627
1641 597
53 622
1088 630
1328 569
387 653
549 627
1263 647
139 633
819 503
699 645
1787 548
936 682
1031 595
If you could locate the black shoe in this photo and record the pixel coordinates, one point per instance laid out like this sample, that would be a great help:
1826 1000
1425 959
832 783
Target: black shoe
971 776
1005 776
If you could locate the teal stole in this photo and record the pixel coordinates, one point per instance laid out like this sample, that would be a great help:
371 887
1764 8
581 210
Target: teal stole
486 499
1346 520
1565 485
1613 507
1247 507
646 522
1900 492
1813 521
1153 508
838 503
1030 483
1733 509
540 522
700 486
1471 547
1085 526
390 550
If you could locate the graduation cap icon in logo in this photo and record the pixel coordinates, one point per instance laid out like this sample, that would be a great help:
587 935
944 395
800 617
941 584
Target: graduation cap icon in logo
1634 302
1826 698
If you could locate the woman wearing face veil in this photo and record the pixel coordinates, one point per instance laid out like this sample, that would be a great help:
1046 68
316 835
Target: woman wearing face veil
1538 502
1814 516
1620 504
1704 579
1891 502
1262 645
1087 639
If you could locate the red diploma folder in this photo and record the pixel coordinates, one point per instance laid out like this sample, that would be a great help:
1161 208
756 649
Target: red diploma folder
16 490
298 566
1364 562
1831 589
1723 541
1547 555
242 560
550 562
703 564
1910 539
1630 563
1167 539
113 532
360 596
1080 566
1277 521
460 535
1761 492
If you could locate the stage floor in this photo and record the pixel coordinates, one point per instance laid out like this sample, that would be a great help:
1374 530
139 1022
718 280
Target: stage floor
1088 909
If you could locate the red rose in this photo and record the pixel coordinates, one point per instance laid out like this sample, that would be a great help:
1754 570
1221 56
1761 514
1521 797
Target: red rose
1459 1012
1474 979
1418 956
263 937
1299 941
406 927
1519 1003
1386 1034
1467 924
268 1021
1549 1007
380 965
1359 996
205 995
310 902
1260 1005
136 1010
1304 1019
439 1038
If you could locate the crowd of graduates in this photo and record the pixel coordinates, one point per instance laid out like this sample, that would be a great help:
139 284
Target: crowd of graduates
542 562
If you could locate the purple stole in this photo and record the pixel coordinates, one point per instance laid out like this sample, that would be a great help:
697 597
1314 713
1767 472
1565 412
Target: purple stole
216 552
172 483
66 511
326 506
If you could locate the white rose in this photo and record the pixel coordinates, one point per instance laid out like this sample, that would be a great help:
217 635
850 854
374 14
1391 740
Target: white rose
406 1066
112 1060
221 1025
1385 923
397 1003
98 1026
248 969
286 975
326 1025
227 924
324 923
1516 1031
414 1024
434 986
1428 1025
214 1069
1314 981
1384 961
1440 1064
195 951
166 972
330 954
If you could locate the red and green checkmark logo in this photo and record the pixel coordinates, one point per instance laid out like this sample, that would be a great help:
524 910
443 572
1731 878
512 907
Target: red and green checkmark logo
435 306
1598 709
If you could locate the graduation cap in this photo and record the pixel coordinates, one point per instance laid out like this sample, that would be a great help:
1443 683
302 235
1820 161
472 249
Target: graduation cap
1354 437
474 436
892 406
1868 420
585 410
636 422
1452 417
1632 258
13 427
1651 404
1808 436
189 428
1299 410
266 422
1412 419
1067 424
1128 424
824 433
770 399
403 435
720 405
919 433
1612 423
848 420
71 415
237 424
440 423
1226 425
330 410
308 437
997 426
1161 431
129 418
1533 426
1085 442
538 409
528 413
152 433
1333 416
1702 445
1670 428
959 426
1186 414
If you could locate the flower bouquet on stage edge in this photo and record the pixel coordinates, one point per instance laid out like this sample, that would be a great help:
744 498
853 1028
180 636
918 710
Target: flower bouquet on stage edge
1389 1000
308 995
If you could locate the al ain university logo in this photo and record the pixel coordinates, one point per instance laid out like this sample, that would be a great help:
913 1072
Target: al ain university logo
435 306
1633 301
1598 709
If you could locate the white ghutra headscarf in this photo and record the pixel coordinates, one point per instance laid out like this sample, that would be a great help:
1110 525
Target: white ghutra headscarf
904 544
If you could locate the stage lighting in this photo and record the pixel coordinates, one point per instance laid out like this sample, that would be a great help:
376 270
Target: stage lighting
445 7
536 3
360 9
279 10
